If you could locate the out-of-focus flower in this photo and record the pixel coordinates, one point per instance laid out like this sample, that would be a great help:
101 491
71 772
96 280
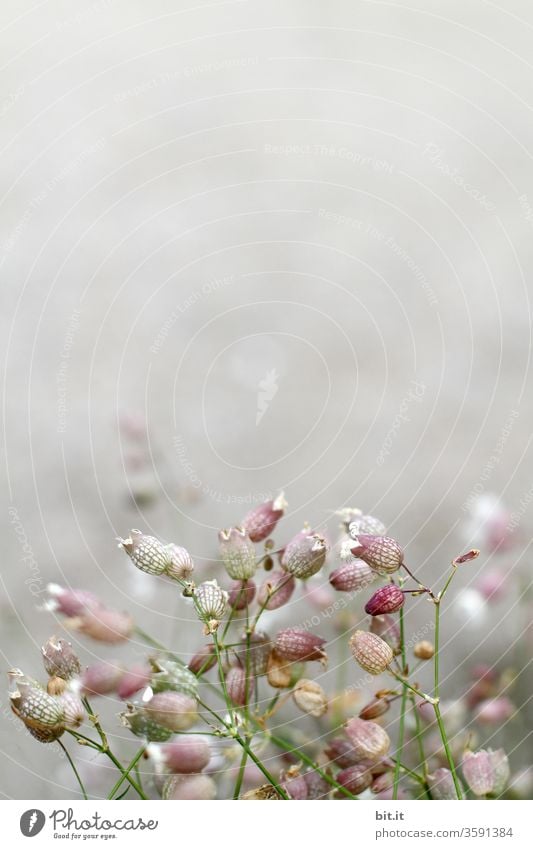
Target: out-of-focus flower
241 594
140 722
180 566
501 770
175 711
261 521
492 585
441 784
204 660
369 740
186 754
478 771
169 675
147 553
189 787
237 553
355 778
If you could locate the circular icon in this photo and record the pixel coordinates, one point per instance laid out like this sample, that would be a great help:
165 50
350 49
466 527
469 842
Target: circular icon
32 822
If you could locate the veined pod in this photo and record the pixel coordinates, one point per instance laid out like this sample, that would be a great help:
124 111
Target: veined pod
60 659
305 554
180 566
383 554
169 675
237 553
261 521
140 723
276 590
146 552
356 575
366 525
387 599
369 740
296 644
211 603
372 653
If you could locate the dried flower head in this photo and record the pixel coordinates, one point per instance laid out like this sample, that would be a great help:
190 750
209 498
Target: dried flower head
372 653
102 678
238 686
70 602
103 625
355 778
42 714
261 521
60 659
305 554
383 554
310 697
369 740
204 660
387 599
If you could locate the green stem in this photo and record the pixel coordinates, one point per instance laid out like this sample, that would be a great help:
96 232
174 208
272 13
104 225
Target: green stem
126 773
401 730
436 706
420 744
74 770
240 776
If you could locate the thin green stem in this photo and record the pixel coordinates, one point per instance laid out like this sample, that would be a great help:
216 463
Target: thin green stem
401 730
240 775
126 772
420 744
436 706
74 770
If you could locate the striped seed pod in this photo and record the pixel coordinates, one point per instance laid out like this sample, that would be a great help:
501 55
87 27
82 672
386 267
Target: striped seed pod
42 714
356 575
237 553
134 678
147 553
387 599
103 625
140 723
369 740
296 644
70 602
383 554
261 521
204 660
211 603
60 659
175 711
238 688
424 650
305 554
180 565
371 652
366 525
355 778
254 651
102 678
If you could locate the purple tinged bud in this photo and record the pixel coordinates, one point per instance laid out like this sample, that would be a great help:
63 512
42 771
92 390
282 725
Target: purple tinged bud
71 602
100 679
355 778
135 678
305 554
356 575
103 625
369 740
186 754
204 660
276 590
387 599
175 711
261 521
317 786
341 751
241 594
383 554
478 771
236 685
295 644
260 647
237 553
60 659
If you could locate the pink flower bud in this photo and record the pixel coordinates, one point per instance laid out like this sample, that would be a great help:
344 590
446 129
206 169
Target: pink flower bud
276 590
175 711
356 778
492 585
441 785
383 554
495 711
140 723
341 751
317 786
189 787
180 566
236 685
295 786
147 553
60 659
479 772
261 520
204 660
73 709
100 679
369 740
310 697
237 552
372 653
374 709
304 555
103 625
295 644
42 714
211 603
135 678
387 599
71 602
188 753
470 555
382 783
366 525
355 575
241 594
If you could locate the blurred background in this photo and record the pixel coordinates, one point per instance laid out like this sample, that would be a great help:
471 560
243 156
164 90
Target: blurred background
248 247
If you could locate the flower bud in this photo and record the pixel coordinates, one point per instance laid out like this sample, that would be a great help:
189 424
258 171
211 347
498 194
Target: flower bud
366 525
279 671
60 659
382 783
470 555
387 599
236 685
147 553
355 778
294 785
175 711
478 771
188 753
304 555
276 590
355 575
371 652
317 786
341 752
495 711
180 565
310 697
241 594
295 644
189 787
204 660
211 603
73 709
369 740
257 646
70 602
383 554
260 522
103 625
424 650
169 675
133 680
100 679
140 723
374 709
42 714
237 552
441 785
